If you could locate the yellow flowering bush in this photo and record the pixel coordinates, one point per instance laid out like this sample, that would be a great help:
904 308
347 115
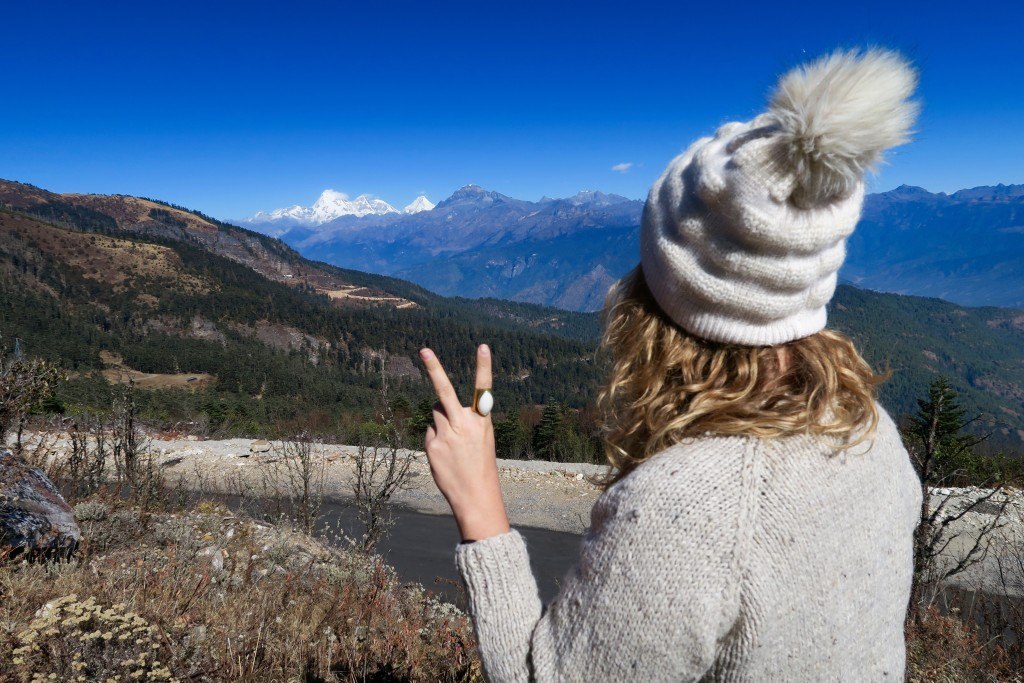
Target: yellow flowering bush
80 640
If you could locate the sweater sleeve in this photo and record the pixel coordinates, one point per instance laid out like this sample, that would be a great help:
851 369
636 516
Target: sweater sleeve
655 590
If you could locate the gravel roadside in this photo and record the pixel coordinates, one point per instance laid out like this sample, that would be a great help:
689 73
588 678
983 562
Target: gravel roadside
555 496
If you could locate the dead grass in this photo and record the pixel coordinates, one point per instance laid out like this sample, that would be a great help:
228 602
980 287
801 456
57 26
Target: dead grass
226 599
117 262
942 649
155 380
117 372
132 211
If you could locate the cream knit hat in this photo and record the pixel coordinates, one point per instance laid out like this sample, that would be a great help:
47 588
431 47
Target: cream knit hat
743 234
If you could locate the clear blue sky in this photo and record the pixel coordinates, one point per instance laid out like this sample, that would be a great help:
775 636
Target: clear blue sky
234 107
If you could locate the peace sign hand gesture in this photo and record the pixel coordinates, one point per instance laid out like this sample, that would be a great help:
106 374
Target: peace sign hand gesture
460 449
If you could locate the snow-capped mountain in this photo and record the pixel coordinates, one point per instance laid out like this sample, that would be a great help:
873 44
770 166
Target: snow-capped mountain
330 205
421 203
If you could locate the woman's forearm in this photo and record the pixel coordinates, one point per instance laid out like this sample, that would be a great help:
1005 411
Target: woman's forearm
481 517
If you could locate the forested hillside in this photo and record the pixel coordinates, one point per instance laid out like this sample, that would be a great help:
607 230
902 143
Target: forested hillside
279 351
981 350
238 332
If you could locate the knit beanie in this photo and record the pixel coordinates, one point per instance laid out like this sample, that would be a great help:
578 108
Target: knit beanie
743 234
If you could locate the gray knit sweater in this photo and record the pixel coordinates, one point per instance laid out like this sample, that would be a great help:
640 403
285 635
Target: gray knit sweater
725 559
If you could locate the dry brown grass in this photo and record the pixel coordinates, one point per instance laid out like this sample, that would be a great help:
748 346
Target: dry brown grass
117 262
117 372
225 599
156 380
943 649
131 211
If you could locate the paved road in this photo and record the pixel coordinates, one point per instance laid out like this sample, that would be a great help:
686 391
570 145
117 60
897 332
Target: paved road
421 547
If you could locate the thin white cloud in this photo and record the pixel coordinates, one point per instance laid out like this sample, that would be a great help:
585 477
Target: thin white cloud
623 167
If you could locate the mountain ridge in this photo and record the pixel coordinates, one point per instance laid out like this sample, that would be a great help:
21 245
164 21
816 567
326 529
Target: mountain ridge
566 252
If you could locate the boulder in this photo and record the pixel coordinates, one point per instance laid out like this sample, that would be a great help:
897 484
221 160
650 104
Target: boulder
260 446
35 520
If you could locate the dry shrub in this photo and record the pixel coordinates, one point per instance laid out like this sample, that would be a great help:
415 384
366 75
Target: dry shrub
230 599
943 649
79 640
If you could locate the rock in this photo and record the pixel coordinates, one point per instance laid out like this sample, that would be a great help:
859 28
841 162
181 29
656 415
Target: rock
192 437
260 446
215 555
34 517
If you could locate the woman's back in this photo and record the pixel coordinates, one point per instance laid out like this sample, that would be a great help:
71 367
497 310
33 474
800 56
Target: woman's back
828 564
728 558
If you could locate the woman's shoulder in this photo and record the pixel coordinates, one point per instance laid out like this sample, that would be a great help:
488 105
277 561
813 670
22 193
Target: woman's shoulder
885 440
709 451
707 469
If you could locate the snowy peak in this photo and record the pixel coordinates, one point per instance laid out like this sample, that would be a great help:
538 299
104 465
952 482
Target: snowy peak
330 205
419 204
333 204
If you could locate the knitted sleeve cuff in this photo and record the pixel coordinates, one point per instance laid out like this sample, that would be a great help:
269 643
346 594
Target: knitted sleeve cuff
503 600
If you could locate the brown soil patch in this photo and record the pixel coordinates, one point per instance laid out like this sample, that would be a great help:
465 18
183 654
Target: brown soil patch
1016 322
1000 387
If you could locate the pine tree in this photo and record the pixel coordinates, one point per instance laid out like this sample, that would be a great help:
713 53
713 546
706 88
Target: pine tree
547 432
943 453
512 437
422 418
938 429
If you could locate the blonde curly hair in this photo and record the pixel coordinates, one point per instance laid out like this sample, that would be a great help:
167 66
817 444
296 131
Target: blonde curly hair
667 385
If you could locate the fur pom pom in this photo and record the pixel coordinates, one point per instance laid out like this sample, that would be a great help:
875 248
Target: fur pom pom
838 114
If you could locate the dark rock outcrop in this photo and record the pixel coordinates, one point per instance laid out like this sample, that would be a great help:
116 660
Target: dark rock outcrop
35 520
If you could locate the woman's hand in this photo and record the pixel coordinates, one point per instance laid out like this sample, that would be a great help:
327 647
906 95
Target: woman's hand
460 448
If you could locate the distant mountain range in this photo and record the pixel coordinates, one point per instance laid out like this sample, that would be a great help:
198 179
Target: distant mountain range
480 243
966 247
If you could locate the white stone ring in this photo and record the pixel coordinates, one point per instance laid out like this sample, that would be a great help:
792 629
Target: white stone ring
483 402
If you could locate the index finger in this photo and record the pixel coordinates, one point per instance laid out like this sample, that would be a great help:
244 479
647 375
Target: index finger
483 368
442 385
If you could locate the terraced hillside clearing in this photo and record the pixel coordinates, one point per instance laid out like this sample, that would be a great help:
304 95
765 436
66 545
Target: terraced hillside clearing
117 372
356 293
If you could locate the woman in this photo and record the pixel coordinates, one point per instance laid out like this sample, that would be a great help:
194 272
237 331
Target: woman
759 521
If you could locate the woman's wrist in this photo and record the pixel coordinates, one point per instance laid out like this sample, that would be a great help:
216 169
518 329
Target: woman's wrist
478 524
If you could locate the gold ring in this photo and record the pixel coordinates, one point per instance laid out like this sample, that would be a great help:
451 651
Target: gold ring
483 402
